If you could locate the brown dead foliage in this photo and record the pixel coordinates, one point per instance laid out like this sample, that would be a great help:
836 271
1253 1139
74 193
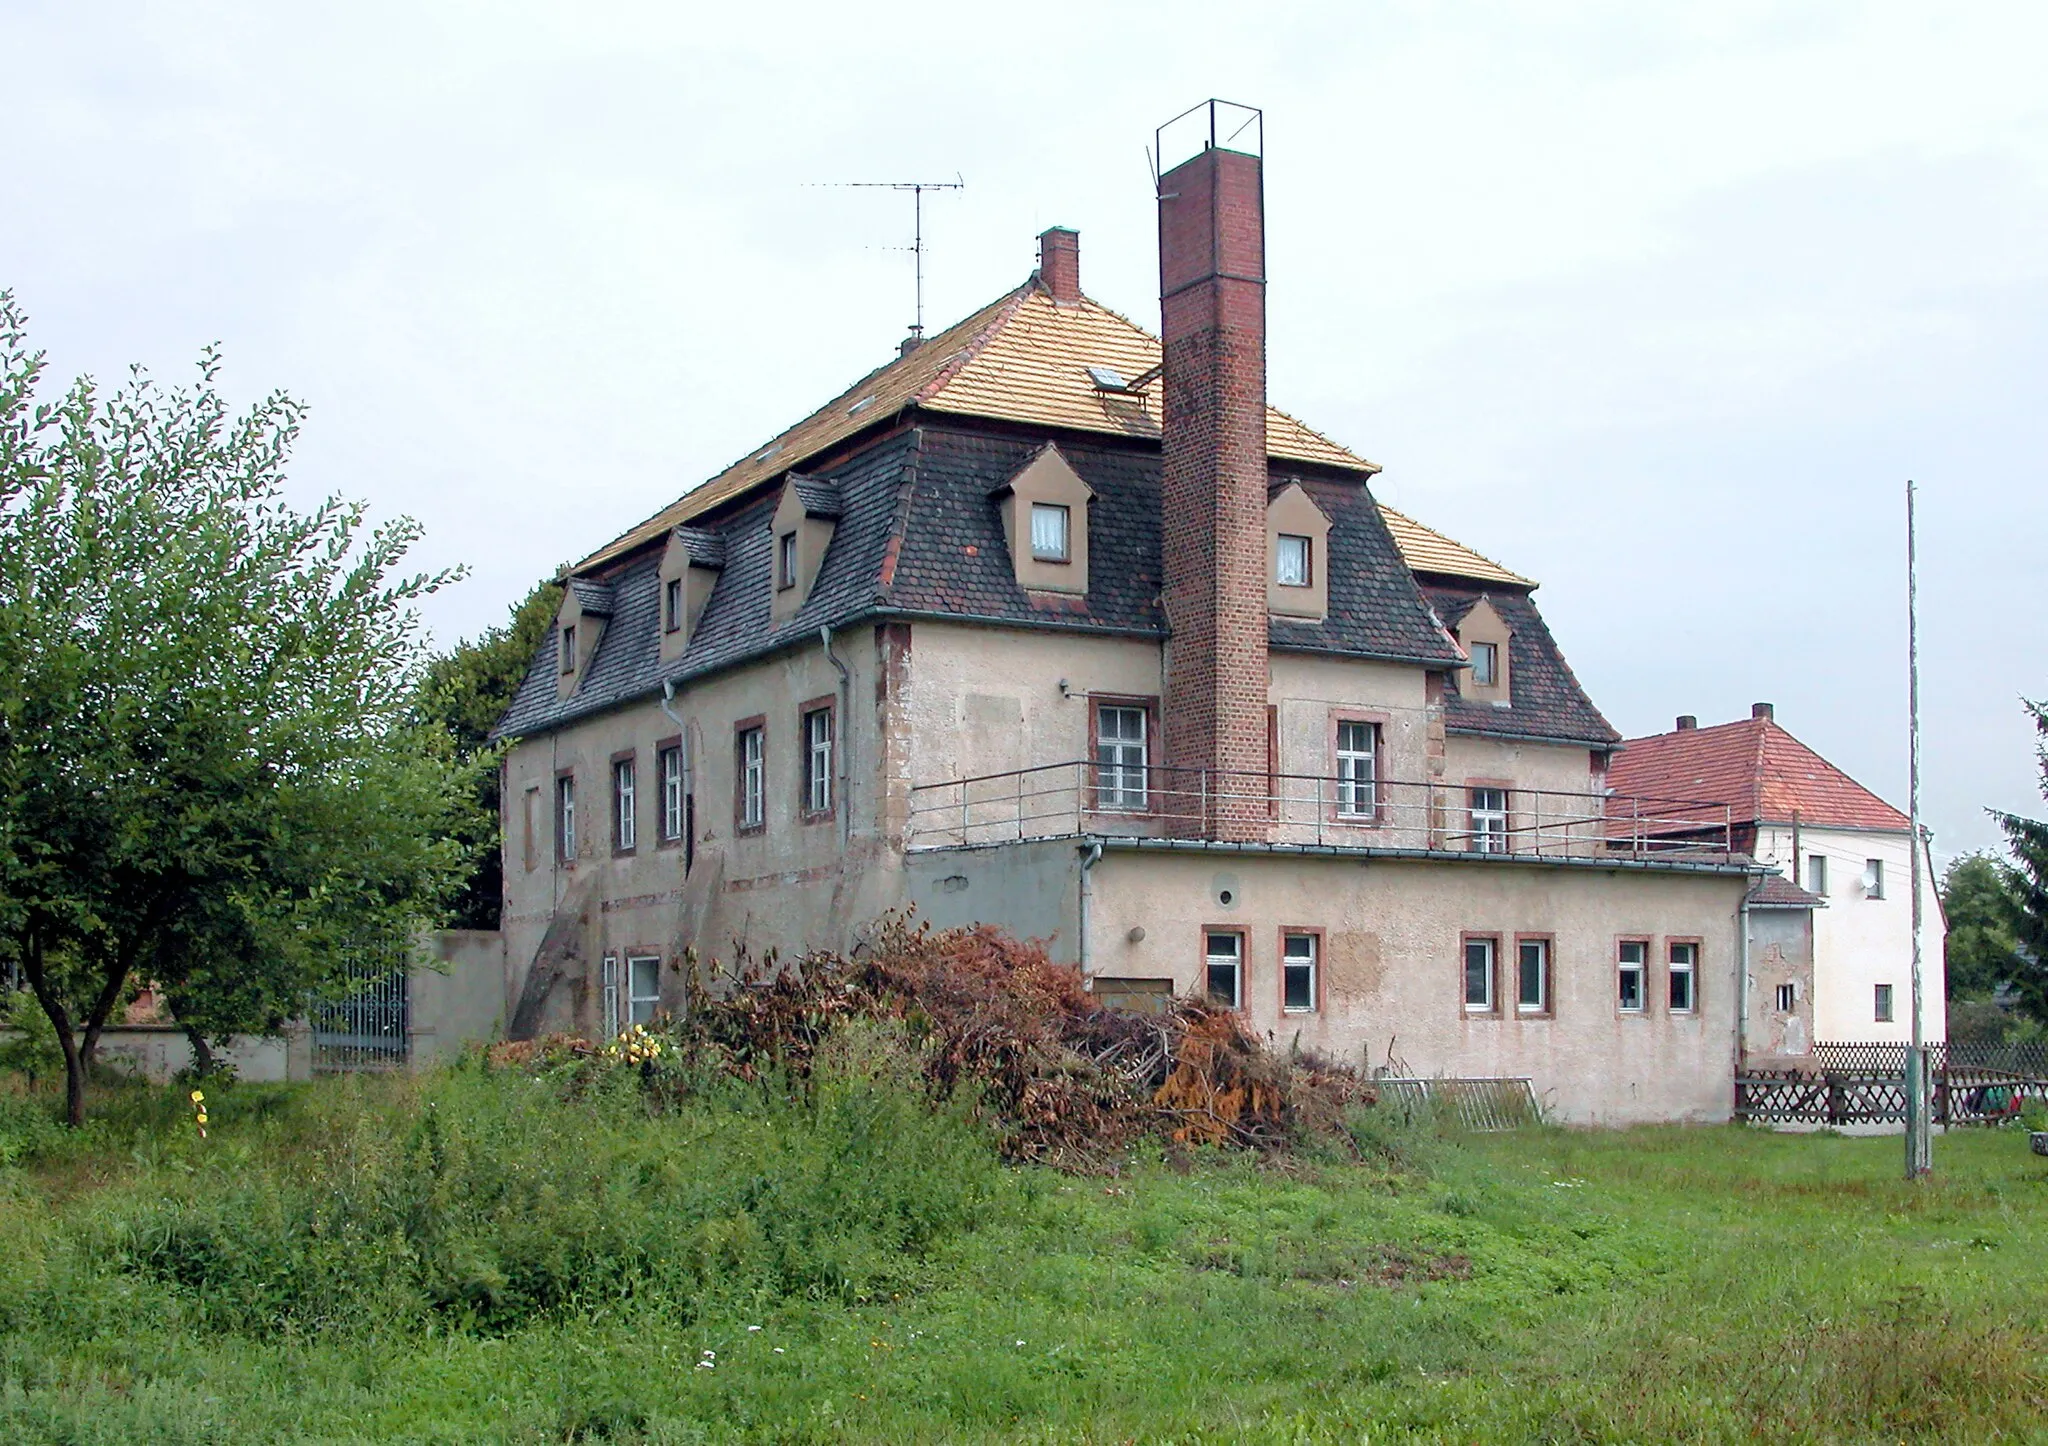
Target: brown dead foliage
1063 1079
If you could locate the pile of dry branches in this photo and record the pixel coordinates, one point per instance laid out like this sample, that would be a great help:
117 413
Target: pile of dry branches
1063 1079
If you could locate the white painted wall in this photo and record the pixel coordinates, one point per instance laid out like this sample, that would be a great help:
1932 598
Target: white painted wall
1860 942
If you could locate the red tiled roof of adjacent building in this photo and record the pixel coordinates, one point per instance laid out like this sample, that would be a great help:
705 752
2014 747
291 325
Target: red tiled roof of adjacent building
1756 768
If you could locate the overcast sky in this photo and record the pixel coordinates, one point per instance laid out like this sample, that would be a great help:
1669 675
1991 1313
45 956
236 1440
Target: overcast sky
1658 304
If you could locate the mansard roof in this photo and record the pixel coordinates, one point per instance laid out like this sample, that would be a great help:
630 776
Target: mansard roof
1545 701
920 536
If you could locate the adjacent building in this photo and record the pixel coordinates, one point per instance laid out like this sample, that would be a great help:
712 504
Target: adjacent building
1848 848
1052 624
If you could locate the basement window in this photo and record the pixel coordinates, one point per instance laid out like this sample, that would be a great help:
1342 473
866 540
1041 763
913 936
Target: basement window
1294 561
1633 965
1223 974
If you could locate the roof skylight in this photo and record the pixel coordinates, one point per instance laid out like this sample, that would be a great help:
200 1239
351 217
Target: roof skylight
861 406
1108 379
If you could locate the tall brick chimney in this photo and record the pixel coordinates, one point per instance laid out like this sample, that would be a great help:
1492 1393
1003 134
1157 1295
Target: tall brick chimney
1059 264
1212 301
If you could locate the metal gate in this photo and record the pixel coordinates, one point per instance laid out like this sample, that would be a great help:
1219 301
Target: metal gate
369 1026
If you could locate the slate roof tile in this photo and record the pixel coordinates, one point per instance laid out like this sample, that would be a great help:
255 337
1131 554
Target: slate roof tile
1545 697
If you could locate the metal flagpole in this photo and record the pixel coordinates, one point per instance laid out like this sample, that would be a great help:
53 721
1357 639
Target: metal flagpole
1919 1130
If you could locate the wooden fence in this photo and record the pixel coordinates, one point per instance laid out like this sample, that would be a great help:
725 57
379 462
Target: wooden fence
1865 1084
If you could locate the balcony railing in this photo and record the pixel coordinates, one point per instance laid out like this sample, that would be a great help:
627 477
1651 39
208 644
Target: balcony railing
1067 800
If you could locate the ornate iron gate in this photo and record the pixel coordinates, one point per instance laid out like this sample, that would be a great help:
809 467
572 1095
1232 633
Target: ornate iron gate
369 1027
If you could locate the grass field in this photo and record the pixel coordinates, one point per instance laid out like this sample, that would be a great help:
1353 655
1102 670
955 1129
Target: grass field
488 1257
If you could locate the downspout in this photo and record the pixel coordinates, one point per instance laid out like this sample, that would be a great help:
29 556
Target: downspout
845 736
1742 984
1088 861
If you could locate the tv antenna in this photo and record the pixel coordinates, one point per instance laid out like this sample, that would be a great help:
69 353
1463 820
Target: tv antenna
917 190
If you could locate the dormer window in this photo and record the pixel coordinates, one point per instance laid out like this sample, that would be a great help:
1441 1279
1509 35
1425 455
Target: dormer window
566 651
1050 531
1294 561
1485 665
671 604
785 561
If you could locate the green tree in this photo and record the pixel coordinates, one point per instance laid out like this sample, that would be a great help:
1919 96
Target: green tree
1982 952
209 775
2028 840
465 693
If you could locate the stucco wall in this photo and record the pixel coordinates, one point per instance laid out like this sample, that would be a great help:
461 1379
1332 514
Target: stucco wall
1860 942
460 1000
1780 952
1393 934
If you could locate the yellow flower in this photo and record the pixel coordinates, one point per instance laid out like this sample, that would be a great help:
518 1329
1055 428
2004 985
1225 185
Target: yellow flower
198 1096
202 1117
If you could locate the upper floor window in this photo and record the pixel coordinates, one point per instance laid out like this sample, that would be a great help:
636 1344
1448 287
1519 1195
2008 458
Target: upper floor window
1884 1004
1631 969
565 651
1489 821
1817 874
1788 998
1683 974
565 818
625 805
818 761
672 604
1223 966
785 561
669 762
1357 769
1120 761
1485 664
1873 878
750 767
1294 561
1050 524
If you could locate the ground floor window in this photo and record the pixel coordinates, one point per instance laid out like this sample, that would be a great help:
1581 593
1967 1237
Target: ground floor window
1224 967
1884 1004
1632 966
1298 973
608 987
643 988
1532 976
1480 956
1684 977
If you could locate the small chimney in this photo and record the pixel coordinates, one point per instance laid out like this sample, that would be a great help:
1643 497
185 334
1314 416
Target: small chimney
910 344
1687 722
1059 264
1212 496
1762 710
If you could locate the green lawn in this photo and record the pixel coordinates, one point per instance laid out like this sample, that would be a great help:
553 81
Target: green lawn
485 1257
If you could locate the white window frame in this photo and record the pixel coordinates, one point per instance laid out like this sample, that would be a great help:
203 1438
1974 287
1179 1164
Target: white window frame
1232 959
753 768
1122 761
1291 547
669 761
1883 1005
1489 834
1488 676
1873 870
1488 977
1639 966
565 818
1542 958
641 1003
608 985
1689 971
1817 875
818 743
785 561
1054 541
672 604
625 803
1299 959
1358 772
